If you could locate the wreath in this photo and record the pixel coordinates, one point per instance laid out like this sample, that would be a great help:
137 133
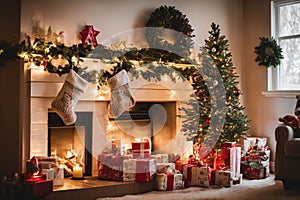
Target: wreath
171 18
269 53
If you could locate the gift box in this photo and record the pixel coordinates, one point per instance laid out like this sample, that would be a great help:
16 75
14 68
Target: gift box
230 159
141 153
35 189
178 181
238 180
190 174
160 158
58 176
105 166
223 178
144 145
179 165
50 173
255 164
173 157
45 162
250 142
116 146
165 167
116 175
228 144
238 163
161 181
253 173
228 156
129 170
204 176
145 169
170 182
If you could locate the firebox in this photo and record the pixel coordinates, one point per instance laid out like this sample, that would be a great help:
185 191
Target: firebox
153 120
72 144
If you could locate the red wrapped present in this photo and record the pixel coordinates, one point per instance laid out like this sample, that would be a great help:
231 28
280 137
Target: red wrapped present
228 144
179 166
145 169
190 173
253 173
116 175
37 189
104 171
223 178
141 154
35 178
230 159
170 182
144 145
105 166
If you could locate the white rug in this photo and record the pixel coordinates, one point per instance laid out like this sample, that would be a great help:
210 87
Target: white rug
264 189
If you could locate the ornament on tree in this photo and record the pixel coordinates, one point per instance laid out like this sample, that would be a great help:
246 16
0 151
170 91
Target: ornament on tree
89 35
63 104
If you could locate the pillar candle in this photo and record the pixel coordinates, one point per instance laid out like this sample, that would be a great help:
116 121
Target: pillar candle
77 172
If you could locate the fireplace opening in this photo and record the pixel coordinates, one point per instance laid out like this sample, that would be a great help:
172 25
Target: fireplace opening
71 144
153 120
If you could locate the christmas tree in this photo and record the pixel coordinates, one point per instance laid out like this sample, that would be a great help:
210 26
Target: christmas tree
236 122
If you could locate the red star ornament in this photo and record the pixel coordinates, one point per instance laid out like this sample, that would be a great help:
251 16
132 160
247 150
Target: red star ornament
89 35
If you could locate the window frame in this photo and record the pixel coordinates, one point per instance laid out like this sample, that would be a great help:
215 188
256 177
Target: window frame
273 73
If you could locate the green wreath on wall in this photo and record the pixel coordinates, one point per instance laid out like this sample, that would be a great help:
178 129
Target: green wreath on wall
269 53
170 18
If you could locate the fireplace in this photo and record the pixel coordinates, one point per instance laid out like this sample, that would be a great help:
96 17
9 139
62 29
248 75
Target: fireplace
73 143
98 128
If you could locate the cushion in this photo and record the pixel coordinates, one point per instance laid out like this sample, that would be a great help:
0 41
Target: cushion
291 120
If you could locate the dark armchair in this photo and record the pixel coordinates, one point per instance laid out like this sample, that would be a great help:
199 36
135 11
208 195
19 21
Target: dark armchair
287 157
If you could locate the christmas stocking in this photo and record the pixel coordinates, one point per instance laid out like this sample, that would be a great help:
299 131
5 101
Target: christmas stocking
121 97
68 96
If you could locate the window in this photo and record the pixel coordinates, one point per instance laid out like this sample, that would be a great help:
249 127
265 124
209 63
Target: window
286 30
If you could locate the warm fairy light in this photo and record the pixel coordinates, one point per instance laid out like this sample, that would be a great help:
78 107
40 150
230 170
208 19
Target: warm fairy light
173 93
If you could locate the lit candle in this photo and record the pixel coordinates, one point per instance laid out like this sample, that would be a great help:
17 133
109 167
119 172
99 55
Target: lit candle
77 172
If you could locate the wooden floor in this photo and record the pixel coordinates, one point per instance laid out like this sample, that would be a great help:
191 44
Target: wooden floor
92 188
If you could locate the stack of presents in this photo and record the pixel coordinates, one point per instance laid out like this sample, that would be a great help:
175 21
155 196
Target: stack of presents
255 160
222 167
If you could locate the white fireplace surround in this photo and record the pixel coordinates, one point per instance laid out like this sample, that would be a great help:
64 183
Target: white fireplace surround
45 86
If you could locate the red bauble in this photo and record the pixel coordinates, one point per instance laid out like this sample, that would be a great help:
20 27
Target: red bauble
89 35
